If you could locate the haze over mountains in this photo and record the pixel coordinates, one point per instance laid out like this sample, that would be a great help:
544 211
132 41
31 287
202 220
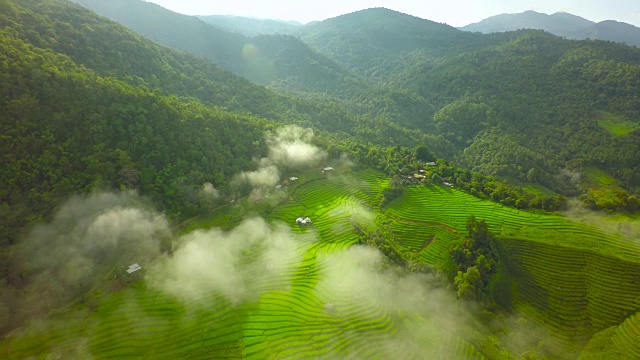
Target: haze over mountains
561 24
252 27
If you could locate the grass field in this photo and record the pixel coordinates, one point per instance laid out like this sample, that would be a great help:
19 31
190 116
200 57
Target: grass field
571 277
616 125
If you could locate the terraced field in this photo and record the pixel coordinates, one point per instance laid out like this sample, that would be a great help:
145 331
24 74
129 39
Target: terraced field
587 283
627 336
570 276
136 322
300 319
450 207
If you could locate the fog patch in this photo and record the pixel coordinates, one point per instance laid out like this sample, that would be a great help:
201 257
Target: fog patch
288 148
291 146
426 313
351 214
610 224
209 192
88 238
264 176
345 160
237 264
521 336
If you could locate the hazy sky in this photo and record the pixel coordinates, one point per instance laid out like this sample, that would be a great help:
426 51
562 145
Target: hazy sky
452 12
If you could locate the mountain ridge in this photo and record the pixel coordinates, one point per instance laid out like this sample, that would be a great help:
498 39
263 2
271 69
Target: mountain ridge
561 24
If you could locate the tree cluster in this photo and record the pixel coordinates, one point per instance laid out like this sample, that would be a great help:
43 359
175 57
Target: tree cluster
476 261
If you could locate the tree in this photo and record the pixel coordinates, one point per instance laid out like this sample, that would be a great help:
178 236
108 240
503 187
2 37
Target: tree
422 153
468 283
396 182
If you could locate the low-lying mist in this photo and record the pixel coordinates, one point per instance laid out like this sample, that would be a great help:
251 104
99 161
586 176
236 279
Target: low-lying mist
428 316
236 264
289 148
611 224
88 238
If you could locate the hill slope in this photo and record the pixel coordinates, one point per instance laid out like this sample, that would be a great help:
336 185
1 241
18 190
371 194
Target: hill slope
68 129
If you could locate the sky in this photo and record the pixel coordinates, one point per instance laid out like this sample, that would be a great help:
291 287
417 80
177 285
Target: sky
453 12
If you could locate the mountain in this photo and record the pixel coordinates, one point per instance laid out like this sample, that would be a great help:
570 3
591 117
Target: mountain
365 38
283 62
71 124
560 24
134 91
263 59
611 31
251 26
507 101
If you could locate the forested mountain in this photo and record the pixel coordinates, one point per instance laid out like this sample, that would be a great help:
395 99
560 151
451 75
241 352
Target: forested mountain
509 102
252 27
287 65
263 59
368 40
525 93
560 24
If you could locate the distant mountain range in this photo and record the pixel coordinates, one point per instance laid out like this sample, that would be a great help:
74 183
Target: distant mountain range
560 24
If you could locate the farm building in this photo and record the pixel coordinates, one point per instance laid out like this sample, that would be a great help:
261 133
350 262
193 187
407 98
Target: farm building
293 178
328 169
431 163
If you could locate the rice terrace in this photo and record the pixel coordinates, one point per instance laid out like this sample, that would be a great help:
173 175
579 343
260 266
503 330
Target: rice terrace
333 299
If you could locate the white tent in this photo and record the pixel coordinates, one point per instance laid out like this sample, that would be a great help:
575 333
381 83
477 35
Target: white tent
133 268
303 221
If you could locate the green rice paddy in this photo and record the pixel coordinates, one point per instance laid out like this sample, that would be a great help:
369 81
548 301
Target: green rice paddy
568 275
